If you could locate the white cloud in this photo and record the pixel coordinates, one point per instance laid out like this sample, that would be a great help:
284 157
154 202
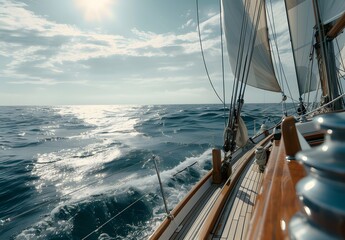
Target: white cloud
30 79
15 17
189 23
55 46
208 25
169 69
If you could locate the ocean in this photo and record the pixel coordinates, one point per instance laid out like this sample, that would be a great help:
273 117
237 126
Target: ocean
86 172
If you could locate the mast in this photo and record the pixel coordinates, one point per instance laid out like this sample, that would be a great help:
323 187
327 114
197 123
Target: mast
326 59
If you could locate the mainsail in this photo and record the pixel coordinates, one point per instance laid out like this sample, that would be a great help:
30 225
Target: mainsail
301 23
331 10
241 16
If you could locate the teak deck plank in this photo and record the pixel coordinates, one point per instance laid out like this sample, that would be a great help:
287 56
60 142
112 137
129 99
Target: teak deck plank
193 221
237 213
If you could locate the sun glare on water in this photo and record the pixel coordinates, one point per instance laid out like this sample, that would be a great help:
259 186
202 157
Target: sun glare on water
95 10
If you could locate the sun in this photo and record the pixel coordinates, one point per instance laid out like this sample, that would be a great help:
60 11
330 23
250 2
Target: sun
95 10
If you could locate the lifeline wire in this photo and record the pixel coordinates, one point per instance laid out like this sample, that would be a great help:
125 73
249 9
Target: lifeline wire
112 218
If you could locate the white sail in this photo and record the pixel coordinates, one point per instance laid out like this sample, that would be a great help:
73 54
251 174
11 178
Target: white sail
242 133
301 23
261 72
331 10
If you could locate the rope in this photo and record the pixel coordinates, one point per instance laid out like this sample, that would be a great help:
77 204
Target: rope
202 53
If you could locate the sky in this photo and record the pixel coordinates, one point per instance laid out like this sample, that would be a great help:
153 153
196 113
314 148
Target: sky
114 52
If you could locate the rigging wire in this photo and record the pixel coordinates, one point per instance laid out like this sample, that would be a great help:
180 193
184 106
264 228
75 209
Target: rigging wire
238 64
319 108
230 130
315 104
341 58
115 216
310 78
252 47
342 63
222 50
281 68
277 61
202 53
243 63
247 60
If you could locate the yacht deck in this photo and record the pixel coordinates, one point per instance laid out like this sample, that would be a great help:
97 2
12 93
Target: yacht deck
237 212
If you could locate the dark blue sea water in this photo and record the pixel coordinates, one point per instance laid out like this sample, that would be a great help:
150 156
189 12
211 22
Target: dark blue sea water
67 171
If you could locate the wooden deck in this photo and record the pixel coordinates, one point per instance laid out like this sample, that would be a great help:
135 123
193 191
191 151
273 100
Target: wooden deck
227 210
235 217
189 229
215 210
236 214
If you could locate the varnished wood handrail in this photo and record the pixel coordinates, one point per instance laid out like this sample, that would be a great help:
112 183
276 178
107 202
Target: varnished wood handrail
226 190
277 201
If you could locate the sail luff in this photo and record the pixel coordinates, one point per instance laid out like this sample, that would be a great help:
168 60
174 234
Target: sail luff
254 40
293 52
267 34
261 72
301 22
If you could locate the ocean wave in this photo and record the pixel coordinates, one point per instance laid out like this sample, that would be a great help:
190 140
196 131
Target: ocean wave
77 217
78 166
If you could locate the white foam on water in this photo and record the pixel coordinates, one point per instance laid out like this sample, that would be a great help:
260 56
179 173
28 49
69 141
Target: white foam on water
176 193
115 119
127 184
70 168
